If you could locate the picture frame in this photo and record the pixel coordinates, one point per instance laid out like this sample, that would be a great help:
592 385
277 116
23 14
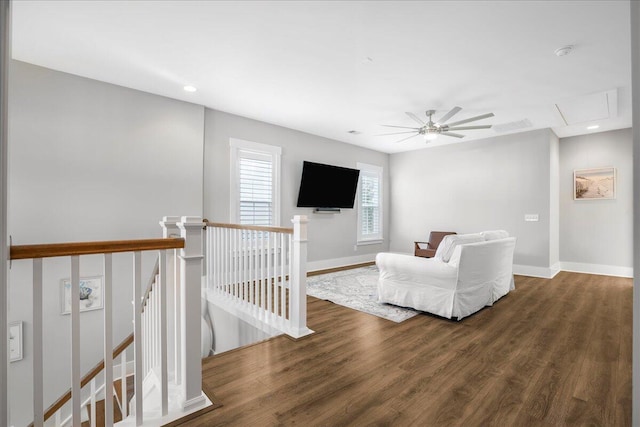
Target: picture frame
91 294
15 341
594 184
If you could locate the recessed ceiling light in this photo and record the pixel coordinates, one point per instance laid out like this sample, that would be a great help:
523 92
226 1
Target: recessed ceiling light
189 89
592 127
564 50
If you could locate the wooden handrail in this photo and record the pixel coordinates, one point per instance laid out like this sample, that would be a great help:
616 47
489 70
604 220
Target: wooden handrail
90 248
251 227
86 379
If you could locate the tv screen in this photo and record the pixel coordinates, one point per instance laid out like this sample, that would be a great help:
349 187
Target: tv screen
326 186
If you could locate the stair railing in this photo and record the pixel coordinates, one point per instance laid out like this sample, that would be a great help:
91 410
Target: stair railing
149 321
261 271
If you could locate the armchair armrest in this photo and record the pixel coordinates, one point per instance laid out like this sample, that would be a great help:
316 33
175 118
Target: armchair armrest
425 253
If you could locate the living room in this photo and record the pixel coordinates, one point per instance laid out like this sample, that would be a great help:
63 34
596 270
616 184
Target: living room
94 160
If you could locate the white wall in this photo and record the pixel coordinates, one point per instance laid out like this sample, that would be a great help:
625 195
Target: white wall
89 161
469 187
597 232
331 236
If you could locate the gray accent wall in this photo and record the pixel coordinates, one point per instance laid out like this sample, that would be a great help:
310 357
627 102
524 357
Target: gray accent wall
331 236
89 161
597 231
470 187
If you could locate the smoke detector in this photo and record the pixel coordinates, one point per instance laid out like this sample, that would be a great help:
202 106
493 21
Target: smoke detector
564 50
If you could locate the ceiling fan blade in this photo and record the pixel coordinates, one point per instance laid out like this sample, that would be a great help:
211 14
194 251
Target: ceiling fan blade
409 137
414 117
472 119
455 135
453 112
469 127
401 127
396 133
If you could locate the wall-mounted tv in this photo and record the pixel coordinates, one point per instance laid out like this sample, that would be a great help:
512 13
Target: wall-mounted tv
327 186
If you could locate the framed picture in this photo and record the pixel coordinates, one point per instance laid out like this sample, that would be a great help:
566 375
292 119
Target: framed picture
594 184
90 294
15 341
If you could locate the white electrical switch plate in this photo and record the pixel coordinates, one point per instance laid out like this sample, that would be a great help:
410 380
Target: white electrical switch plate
531 217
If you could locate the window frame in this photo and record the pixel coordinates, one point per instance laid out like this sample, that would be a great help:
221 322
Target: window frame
236 148
378 172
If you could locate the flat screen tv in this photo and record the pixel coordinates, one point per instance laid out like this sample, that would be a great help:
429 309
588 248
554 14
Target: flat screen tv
326 186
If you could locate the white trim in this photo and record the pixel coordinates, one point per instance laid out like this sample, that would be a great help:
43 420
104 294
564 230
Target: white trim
534 271
518 269
339 262
601 269
378 171
370 242
274 152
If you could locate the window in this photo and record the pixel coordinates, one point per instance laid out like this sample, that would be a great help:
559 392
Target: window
255 183
369 203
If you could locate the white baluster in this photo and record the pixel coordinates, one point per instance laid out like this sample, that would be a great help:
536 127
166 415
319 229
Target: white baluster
137 330
276 290
124 402
283 278
38 374
75 340
177 300
162 338
108 340
290 263
263 306
241 269
269 294
93 403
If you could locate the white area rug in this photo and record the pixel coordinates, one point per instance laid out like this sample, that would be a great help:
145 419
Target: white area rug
356 289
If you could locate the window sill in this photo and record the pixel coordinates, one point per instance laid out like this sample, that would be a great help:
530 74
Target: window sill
370 242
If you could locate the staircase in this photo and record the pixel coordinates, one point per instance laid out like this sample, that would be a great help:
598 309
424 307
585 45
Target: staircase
154 376
98 413
159 370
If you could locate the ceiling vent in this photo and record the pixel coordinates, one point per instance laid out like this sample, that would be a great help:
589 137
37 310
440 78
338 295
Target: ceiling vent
589 108
512 126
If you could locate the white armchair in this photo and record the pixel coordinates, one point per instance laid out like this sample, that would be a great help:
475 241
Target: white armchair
476 275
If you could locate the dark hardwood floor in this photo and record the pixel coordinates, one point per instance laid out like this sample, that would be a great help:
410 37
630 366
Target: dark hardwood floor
551 353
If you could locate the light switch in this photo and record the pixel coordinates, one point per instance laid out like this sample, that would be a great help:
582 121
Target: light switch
531 217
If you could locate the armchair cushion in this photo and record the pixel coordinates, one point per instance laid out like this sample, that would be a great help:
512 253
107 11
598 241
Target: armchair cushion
449 243
494 234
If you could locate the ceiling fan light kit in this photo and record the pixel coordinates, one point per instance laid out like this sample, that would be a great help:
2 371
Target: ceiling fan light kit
430 129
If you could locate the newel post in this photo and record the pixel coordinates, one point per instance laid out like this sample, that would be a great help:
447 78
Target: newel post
190 294
298 279
170 228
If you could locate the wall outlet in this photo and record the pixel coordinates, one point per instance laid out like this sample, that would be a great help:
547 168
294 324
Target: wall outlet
355 248
531 217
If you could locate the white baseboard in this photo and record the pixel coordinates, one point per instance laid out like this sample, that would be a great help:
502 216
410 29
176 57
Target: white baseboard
574 267
339 262
519 269
534 271
601 269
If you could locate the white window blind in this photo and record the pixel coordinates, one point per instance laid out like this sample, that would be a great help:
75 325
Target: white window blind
255 180
256 189
370 203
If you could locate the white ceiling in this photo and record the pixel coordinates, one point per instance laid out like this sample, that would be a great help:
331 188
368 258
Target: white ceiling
327 67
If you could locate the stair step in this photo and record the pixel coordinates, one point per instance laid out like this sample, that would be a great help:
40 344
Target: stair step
117 415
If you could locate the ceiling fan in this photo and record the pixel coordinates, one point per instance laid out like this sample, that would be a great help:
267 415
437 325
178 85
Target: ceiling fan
430 129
